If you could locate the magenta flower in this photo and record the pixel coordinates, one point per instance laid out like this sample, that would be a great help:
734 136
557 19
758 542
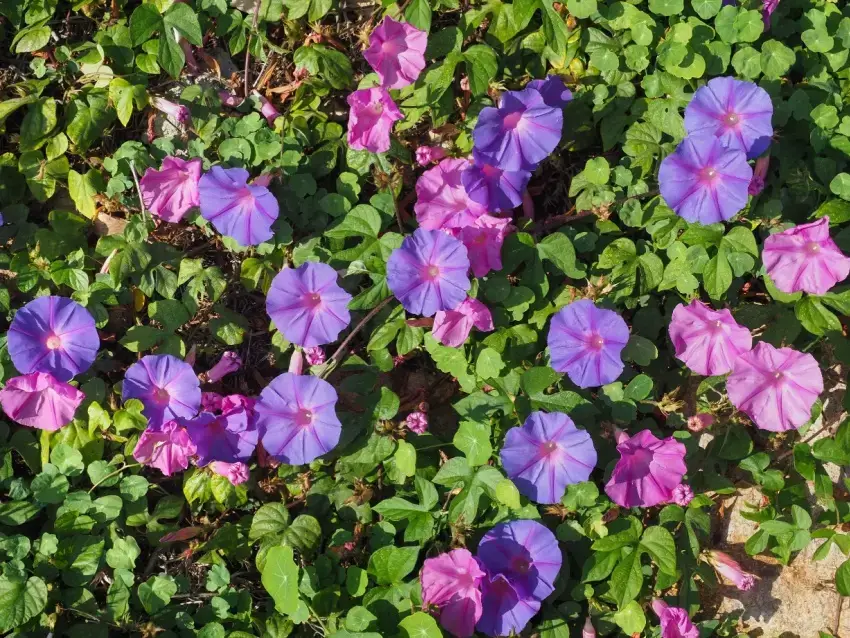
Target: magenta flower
267 110
172 190
588 631
417 422
675 622
307 305
759 175
234 402
683 494
211 402
297 418
491 187
704 181
441 199
429 154
167 448
397 53
767 10
738 113
428 272
729 569
546 454
553 91
775 387
648 471
166 386
483 240
370 119
451 582
707 341
315 356
229 437
39 400
586 342
237 473
452 327
55 335
520 133
229 363
805 258
245 212
177 112
700 422
522 560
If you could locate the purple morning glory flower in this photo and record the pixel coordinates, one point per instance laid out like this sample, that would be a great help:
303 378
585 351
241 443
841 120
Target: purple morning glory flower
546 454
429 272
297 418
55 335
166 386
307 305
737 112
553 91
520 133
586 342
704 181
228 437
236 208
493 188
522 559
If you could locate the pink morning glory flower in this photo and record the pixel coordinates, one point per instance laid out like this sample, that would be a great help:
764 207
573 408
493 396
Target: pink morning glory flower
805 258
55 335
239 210
648 471
737 112
775 387
166 386
167 448
675 622
546 454
315 356
173 189
237 473
307 304
452 327
730 569
553 91
297 417
483 240
428 272
707 341
441 199
429 154
268 110
683 494
704 181
370 119
767 10
491 187
229 363
39 400
520 133
229 437
588 631
451 582
396 52
586 342
177 112
417 422
211 402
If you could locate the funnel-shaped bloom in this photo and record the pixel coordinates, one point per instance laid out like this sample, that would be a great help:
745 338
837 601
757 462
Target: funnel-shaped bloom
173 189
179 113
396 52
483 240
491 187
520 133
228 437
167 448
245 212
452 327
229 363
553 91
38 400
452 581
546 454
775 387
675 622
805 258
730 569
586 342
166 386
297 418
707 341
737 112
370 119
648 471
55 335
307 304
428 272
441 199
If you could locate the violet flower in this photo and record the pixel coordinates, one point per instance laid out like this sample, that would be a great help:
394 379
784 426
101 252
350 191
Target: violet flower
441 199
228 437
553 91
759 175
245 212
493 188
39 400
170 192
166 386
417 422
229 363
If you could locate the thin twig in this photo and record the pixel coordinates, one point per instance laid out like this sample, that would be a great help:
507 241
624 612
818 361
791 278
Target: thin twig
138 189
248 48
337 356
115 473
824 426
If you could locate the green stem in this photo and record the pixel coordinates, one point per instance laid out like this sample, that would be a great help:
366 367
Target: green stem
314 614
115 473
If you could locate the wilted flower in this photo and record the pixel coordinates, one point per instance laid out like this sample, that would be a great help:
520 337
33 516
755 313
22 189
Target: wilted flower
229 99
167 448
417 422
705 181
429 154
396 52
245 212
586 342
483 240
177 112
315 356
805 258
441 199
683 494
648 471
729 568
39 400
297 417
759 175
553 91
237 473
267 110
370 119
211 402
735 111
707 341
675 622
166 386
700 422
173 189
451 582
429 272
228 437
452 327
307 304
546 454
775 387
491 187
229 363
55 335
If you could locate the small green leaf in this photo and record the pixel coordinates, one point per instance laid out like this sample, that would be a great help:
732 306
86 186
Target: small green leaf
390 564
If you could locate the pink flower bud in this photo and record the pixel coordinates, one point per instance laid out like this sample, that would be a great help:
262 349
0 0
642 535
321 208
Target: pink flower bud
700 422
683 494
228 99
315 356
296 362
417 422
103 269
176 112
464 83
588 631
729 569
236 473
759 175
228 364
428 154
267 109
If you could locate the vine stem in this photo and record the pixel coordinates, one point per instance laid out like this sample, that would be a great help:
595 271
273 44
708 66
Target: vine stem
248 48
138 189
337 356
115 473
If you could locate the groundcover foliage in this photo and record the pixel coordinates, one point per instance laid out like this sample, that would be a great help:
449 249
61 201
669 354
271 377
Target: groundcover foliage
95 543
